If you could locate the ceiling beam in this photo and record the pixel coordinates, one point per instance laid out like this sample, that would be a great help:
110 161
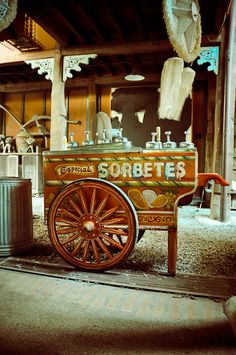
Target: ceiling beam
115 22
115 49
91 22
73 83
73 30
111 81
112 49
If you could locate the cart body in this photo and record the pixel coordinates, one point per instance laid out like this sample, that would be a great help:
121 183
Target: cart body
153 183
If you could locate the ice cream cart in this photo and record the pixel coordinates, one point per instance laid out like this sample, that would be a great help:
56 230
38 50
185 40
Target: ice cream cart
100 198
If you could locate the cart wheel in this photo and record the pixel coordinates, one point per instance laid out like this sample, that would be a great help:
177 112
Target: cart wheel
92 224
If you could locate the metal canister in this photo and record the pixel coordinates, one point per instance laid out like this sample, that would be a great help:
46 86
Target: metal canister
16 216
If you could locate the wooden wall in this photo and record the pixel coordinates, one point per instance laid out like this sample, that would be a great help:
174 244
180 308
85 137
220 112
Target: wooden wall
77 108
78 105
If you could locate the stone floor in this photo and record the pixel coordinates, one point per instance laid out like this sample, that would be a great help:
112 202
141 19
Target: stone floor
47 315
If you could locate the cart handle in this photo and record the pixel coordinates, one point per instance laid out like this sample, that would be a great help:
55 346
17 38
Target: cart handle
203 178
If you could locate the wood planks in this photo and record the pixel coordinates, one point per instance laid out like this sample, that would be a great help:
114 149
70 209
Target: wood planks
195 285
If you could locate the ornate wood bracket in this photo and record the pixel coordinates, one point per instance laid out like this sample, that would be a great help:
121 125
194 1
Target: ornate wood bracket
44 65
72 62
211 55
69 63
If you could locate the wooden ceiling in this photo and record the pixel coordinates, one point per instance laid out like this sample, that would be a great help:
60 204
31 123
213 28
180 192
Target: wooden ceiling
123 33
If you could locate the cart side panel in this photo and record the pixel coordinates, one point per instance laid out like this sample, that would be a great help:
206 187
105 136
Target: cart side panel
154 181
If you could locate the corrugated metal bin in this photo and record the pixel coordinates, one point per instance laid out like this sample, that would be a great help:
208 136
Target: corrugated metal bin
16 216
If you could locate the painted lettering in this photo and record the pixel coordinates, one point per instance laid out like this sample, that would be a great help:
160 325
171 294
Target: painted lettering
169 170
103 170
179 170
159 166
137 170
126 170
147 171
117 170
75 169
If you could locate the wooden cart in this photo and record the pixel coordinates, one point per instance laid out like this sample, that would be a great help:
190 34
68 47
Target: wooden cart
99 200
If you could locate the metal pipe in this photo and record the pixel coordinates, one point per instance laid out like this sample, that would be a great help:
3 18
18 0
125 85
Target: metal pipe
227 128
13 117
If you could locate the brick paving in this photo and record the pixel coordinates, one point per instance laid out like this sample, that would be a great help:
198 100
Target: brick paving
36 309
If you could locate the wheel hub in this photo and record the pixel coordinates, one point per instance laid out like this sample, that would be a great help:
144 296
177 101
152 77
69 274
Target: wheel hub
89 227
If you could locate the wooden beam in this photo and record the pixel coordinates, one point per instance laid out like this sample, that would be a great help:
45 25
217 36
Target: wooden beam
24 87
111 49
17 57
112 81
91 22
115 21
72 28
77 82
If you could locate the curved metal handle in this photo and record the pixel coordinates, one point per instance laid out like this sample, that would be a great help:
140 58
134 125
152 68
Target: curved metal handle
203 178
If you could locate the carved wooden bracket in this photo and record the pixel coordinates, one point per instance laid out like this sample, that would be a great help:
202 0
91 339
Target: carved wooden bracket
44 65
69 63
72 62
211 55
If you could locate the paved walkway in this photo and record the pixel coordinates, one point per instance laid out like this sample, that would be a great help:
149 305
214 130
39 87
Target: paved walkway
46 315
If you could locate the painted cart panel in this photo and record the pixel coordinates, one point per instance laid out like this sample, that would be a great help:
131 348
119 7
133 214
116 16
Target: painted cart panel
155 181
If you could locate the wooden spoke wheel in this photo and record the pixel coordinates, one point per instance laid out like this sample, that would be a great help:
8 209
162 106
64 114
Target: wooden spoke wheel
92 224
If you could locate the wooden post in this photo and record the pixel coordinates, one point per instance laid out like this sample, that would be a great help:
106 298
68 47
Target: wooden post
218 128
228 117
172 250
225 96
210 124
91 108
58 110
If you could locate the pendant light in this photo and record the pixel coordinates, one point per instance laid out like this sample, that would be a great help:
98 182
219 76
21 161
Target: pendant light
135 75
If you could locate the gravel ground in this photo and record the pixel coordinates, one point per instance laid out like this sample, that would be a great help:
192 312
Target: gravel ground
205 246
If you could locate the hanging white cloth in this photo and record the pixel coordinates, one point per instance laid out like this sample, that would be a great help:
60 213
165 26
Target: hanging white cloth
175 87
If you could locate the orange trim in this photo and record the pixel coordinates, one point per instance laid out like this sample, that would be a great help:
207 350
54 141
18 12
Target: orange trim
203 178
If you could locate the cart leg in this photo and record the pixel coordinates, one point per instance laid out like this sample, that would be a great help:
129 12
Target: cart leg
172 250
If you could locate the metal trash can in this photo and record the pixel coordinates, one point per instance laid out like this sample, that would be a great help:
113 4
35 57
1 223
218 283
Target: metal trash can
16 216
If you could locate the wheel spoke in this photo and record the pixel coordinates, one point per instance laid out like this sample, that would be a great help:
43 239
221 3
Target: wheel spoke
114 220
95 250
83 201
63 210
112 241
101 206
77 247
114 231
75 206
104 248
120 240
70 238
86 249
93 200
109 213
66 230
65 221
